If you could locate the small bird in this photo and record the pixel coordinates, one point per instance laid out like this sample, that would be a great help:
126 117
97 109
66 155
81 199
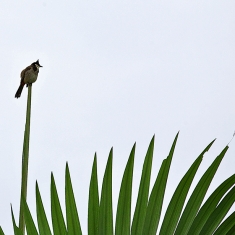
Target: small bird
28 76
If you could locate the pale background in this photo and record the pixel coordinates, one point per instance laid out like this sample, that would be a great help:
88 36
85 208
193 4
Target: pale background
114 73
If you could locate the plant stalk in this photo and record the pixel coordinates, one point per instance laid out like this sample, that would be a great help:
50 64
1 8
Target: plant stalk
25 159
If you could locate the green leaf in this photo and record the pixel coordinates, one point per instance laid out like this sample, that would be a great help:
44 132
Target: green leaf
123 216
93 204
219 213
30 226
156 197
43 224
106 211
231 231
197 196
58 222
17 231
142 200
1 231
226 225
178 199
73 222
210 205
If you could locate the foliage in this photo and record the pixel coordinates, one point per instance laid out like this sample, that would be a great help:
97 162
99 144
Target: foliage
182 217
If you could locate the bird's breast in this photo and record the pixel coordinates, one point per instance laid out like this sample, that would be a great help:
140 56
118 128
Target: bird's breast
30 76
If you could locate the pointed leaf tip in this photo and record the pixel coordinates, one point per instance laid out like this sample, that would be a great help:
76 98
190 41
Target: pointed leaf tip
208 146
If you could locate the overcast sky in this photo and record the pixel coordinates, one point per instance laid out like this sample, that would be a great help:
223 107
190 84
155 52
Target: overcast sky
114 73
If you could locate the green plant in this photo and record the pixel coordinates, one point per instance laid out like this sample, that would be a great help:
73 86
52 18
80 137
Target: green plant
194 219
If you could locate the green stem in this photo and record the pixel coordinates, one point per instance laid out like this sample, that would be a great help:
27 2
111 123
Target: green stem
25 159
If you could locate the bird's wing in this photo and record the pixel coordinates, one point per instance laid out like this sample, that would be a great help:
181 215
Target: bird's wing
24 71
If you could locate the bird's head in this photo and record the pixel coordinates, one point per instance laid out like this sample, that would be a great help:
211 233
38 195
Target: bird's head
37 64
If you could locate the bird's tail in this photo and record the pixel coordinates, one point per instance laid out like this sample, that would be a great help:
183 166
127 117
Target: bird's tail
18 93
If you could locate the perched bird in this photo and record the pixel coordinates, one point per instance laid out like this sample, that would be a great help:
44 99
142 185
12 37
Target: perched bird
28 76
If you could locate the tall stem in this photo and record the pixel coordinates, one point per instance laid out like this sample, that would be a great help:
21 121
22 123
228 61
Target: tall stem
25 159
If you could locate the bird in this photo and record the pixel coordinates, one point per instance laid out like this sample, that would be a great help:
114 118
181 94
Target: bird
28 76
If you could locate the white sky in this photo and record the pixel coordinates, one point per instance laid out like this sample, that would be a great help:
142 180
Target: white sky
113 74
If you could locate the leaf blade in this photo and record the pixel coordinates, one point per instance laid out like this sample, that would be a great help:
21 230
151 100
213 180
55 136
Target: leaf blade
210 205
93 203
30 225
1 231
226 226
17 230
105 210
156 197
218 214
142 199
43 224
123 215
73 223
197 196
58 222
177 201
